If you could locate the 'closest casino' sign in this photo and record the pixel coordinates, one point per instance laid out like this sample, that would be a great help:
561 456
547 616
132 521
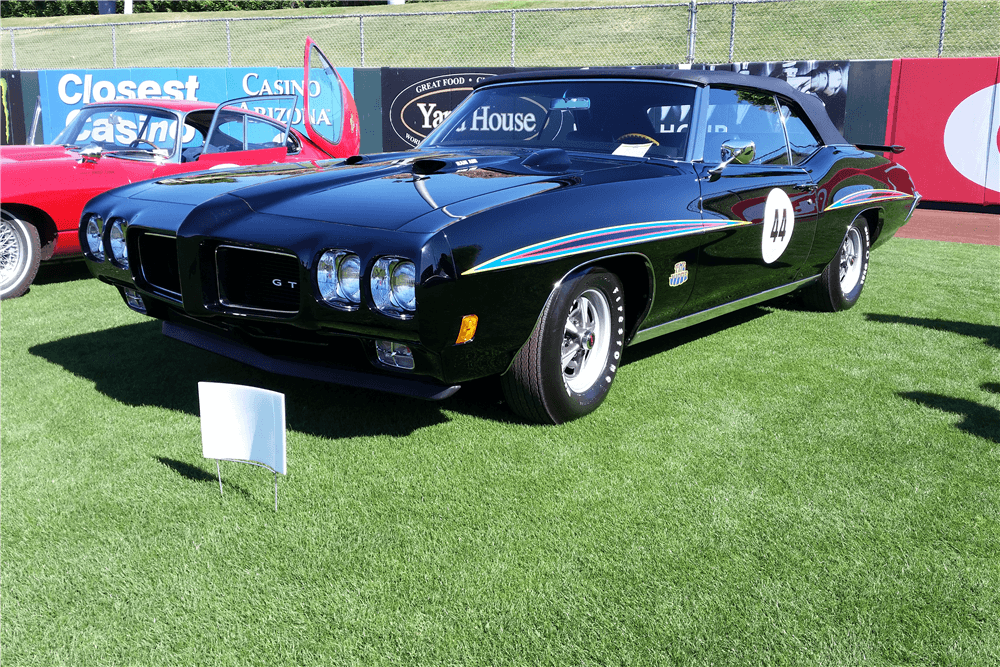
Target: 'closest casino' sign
63 92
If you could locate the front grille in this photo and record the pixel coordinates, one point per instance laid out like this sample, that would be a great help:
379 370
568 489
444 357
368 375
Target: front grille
158 263
257 279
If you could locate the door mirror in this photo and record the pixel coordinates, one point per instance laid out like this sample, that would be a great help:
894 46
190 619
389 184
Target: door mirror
740 152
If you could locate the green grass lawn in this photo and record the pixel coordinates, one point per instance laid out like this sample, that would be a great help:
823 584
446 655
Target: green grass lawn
779 487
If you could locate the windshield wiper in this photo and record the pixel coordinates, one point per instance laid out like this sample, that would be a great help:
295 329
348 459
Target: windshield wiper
145 152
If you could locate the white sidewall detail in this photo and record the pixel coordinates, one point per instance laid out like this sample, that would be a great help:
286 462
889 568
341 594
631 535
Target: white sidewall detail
970 138
779 222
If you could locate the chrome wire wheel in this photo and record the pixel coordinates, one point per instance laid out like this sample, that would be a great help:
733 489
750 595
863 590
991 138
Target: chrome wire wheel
850 260
14 252
586 341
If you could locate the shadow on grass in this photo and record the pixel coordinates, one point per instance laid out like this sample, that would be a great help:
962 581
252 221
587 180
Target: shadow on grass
981 421
62 271
988 333
196 474
188 471
138 366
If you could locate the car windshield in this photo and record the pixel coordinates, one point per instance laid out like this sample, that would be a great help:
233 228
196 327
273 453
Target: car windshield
130 131
619 117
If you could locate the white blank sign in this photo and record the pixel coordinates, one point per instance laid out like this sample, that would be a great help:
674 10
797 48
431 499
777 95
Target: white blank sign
242 424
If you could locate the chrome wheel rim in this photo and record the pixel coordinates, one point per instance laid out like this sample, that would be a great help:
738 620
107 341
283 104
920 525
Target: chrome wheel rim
13 257
850 261
586 341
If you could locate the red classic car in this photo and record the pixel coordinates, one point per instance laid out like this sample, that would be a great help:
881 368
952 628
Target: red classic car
108 144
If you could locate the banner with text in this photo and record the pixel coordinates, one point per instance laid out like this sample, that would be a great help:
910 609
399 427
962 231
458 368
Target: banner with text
415 101
63 92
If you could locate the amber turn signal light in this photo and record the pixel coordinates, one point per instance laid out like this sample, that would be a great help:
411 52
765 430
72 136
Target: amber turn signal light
468 329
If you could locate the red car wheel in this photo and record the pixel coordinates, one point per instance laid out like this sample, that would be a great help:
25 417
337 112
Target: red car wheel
19 255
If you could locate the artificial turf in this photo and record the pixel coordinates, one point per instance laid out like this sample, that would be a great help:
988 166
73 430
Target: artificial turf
778 487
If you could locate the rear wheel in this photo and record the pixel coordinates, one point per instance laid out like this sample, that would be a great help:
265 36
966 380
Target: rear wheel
565 369
20 252
841 282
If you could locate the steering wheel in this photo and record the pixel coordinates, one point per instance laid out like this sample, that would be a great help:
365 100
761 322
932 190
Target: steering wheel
641 136
135 144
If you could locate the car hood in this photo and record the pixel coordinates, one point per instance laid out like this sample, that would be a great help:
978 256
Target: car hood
382 191
12 154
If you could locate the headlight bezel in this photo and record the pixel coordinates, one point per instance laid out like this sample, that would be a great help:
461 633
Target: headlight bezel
117 245
334 289
393 282
95 222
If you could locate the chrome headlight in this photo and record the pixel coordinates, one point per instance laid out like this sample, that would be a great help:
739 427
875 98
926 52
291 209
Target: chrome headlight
119 252
393 285
338 276
94 232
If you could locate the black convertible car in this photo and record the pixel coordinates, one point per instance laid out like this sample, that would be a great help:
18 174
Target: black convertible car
553 219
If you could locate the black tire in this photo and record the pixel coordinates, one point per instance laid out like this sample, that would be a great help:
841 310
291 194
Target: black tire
840 284
566 368
20 252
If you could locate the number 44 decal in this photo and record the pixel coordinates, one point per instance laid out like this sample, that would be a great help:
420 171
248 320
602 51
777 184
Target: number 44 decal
778 229
779 223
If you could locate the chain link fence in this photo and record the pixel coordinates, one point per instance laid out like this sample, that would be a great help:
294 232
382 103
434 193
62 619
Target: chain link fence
712 31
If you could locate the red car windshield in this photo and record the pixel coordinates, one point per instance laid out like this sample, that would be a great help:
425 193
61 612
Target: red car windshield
126 129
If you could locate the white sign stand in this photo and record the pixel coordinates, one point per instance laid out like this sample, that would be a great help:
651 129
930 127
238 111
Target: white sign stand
244 425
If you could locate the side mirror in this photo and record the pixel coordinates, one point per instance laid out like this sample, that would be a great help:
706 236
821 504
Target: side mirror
740 152
90 154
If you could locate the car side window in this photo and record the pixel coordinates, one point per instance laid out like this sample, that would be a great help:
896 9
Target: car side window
745 115
801 139
239 132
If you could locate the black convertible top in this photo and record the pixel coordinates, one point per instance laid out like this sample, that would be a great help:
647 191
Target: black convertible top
810 104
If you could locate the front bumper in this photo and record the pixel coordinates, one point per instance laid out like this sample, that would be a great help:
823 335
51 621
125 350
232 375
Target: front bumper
417 386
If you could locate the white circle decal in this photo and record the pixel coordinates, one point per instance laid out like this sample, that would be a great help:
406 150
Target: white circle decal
779 221
970 138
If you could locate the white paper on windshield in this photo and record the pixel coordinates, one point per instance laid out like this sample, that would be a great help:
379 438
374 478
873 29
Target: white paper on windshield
633 150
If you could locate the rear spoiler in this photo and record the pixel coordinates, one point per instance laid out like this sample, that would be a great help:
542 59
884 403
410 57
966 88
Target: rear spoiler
877 148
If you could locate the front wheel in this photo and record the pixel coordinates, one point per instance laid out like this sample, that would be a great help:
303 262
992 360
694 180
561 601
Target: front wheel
840 284
20 252
565 369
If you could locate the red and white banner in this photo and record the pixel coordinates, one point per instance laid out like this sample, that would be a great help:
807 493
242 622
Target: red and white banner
946 111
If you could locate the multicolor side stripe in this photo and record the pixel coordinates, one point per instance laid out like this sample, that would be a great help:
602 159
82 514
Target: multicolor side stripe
602 239
867 197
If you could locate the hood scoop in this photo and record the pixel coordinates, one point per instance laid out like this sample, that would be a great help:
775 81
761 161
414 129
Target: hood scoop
548 160
427 166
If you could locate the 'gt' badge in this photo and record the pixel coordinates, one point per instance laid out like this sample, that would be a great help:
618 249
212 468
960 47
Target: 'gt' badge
680 274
